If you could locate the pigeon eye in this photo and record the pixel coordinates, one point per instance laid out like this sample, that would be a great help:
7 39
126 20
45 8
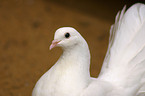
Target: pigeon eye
67 35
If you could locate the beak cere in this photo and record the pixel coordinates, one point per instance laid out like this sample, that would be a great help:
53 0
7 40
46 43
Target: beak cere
54 44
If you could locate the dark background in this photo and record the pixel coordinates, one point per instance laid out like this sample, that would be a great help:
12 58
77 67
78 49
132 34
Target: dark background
27 28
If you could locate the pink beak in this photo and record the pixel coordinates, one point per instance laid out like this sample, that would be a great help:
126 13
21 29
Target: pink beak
54 44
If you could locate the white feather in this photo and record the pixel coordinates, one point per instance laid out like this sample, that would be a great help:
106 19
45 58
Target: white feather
124 65
123 69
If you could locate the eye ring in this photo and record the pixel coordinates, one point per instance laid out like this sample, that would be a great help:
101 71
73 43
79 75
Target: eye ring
67 35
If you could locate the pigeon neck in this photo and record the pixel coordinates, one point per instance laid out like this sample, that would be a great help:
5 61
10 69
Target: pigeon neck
73 68
79 54
77 59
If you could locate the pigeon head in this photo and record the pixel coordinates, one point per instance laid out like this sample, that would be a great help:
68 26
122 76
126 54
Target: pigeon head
66 37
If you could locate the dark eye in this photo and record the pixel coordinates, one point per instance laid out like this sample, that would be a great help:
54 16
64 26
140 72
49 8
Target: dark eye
67 35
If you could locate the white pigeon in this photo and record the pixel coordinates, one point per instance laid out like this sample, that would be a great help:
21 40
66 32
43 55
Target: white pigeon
123 69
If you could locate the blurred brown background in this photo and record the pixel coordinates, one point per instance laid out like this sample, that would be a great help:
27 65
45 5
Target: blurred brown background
27 28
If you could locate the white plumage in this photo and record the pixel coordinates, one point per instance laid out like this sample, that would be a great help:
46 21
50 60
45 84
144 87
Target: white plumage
123 70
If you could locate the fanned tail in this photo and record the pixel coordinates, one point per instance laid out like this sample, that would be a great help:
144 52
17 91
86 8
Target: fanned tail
124 63
112 37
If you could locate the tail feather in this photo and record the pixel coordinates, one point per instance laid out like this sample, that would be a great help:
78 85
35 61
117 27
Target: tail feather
124 63
126 36
113 32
